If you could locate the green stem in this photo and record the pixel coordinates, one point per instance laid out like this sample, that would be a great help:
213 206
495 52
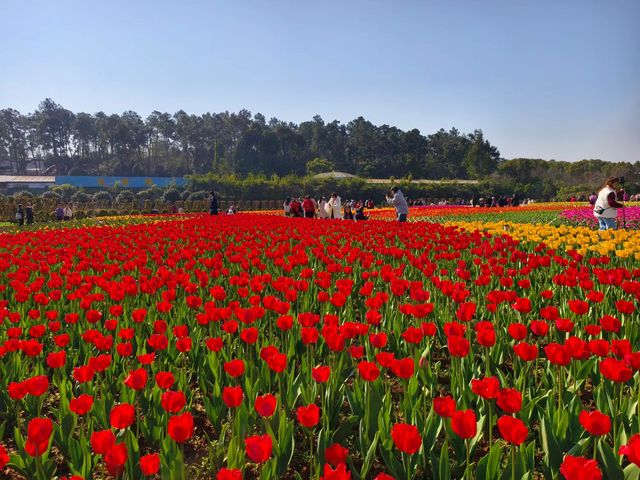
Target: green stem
466 466
513 463
595 447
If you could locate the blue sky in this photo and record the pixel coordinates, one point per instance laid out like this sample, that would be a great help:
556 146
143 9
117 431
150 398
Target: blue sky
545 79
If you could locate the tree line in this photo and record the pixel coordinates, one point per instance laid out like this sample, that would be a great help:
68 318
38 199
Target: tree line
54 140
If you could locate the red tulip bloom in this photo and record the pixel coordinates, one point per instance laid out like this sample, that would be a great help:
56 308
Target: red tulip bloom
232 396
340 472
277 362
234 368
180 427
336 454
517 331
404 368
37 386
368 371
579 307
173 402
265 405
258 448
383 476
81 405
579 468
229 474
486 388
308 416
38 434
4 457
615 370
526 351
165 380
509 400
122 416
458 346
464 423
595 422
378 340
150 464
406 438
83 374
115 459
136 379
512 429
632 450
444 406
57 359
321 374
102 440
558 354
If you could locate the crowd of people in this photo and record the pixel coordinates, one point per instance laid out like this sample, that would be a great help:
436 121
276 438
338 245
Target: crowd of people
332 207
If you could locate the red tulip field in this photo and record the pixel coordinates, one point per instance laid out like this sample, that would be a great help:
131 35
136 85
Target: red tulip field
264 347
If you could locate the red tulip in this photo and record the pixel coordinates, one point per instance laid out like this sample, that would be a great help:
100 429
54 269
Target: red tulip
234 368
615 370
165 380
57 359
115 458
136 379
403 368
509 400
321 374
579 468
486 388
173 402
406 438
595 422
458 346
232 396
512 429
336 454
308 416
102 440
632 450
150 464
122 416
81 405
444 406
180 427
464 423
4 457
38 434
258 448
525 351
265 405
340 472
229 474
37 386
368 371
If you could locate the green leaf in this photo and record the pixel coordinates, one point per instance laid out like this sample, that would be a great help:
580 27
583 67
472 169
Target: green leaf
610 466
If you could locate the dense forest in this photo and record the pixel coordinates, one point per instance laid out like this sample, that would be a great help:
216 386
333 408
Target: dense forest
54 140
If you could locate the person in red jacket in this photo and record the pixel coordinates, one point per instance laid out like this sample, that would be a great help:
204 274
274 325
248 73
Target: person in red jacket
309 207
296 208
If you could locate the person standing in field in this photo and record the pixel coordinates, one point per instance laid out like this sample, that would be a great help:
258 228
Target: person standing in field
20 215
213 203
396 198
309 207
28 212
286 206
334 206
322 208
68 213
607 205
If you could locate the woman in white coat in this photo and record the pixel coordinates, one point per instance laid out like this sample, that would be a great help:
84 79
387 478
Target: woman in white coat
322 208
334 206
